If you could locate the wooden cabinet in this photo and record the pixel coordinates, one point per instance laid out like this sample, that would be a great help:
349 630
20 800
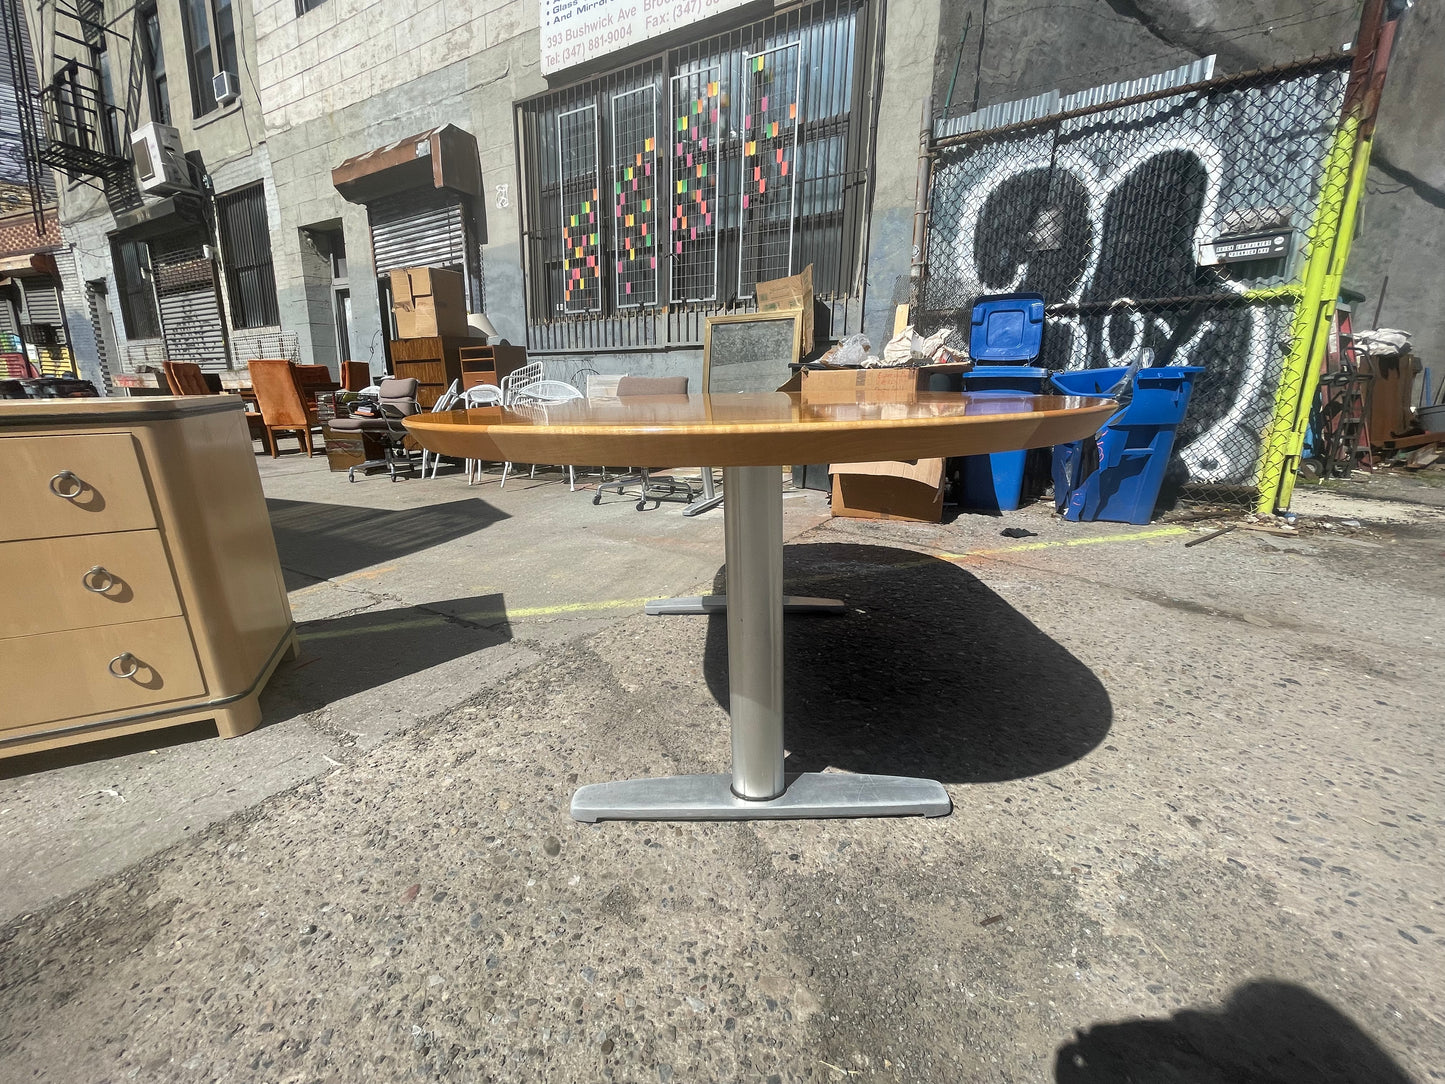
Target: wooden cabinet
139 582
433 361
489 364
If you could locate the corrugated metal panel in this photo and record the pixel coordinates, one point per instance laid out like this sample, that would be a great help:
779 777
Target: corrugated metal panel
42 301
8 324
191 327
190 311
1022 110
424 227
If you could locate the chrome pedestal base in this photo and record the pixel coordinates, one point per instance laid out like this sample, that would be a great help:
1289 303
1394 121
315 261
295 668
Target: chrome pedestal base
757 787
710 498
718 604
710 798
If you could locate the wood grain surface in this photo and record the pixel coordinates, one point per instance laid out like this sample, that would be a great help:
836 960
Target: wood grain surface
760 430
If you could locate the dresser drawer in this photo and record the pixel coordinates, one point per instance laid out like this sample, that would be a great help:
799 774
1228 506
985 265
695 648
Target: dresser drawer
83 484
63 675
54 584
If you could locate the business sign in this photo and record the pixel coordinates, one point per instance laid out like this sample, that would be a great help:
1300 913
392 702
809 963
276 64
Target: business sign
576 31
1245 247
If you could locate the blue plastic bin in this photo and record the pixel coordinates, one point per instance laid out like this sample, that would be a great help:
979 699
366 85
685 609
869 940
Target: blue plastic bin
995 482
1006 327
1133 449
1067 466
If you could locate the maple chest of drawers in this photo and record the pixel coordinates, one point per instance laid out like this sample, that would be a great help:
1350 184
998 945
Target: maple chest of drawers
139 582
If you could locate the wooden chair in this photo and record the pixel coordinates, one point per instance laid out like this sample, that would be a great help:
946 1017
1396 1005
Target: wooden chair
355 375
283 404
186 378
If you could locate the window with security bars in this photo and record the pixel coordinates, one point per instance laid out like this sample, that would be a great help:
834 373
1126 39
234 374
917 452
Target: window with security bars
688 178
246 245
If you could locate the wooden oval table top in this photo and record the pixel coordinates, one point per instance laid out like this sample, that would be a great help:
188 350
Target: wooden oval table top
759 429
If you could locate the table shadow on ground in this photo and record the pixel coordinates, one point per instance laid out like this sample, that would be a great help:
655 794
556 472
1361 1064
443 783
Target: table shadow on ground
344 656
322 541
936 676
1267 1033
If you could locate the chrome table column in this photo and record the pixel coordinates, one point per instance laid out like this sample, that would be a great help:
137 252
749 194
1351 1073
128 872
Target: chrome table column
757 789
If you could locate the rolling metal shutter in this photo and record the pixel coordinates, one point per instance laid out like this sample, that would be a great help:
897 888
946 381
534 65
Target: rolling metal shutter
422 227
42 303
190 312
8 324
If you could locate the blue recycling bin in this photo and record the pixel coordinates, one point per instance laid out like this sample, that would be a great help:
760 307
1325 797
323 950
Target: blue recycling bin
995 482
1005 333
1133 446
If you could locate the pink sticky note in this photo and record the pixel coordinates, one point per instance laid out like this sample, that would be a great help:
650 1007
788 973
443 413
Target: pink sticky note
654 262
619 265
694 233
762 185
679 149
689 160
591 216
591 261
747 120
763 104
704 138
694 133
707 219
629 285
647 169
634 184
678 247
745 201
714 116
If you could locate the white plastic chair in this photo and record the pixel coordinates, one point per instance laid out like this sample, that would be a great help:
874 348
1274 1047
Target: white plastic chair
445 401
478 395
543 393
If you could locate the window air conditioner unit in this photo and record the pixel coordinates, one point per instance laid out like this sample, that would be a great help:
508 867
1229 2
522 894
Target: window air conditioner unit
160 163
226 86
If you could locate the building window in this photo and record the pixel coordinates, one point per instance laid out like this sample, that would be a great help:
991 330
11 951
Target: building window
154 59
211 41
303 6
689 178
134 283
246 246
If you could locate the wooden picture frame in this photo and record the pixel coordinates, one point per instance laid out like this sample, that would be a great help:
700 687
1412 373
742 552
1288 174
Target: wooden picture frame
777 352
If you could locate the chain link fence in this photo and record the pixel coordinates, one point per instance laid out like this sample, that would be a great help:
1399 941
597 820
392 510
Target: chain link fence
1178 222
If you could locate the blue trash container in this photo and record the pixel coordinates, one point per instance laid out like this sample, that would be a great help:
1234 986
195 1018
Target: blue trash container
1133 448
995 482
1004 328
1067 466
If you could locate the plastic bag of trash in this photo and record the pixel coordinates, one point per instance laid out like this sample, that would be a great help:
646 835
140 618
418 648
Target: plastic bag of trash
850 352
908 346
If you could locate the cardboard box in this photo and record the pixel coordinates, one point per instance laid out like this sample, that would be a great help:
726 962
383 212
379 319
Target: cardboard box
826 386
793 292
428 302
911 491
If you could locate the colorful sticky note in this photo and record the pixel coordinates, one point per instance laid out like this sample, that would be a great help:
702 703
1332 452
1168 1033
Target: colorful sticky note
694 233
629 287
681 186
747 120
785 169
712 90
780 154
792 110
707 220
704 138
574 220
750 148
763 103
682 124
689 160
647 145
647 169
702 169
745 201
678 248
619 265
644 229
654 259
629 219
757 64
762 185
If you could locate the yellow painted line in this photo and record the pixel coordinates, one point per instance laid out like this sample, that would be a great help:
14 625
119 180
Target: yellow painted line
1062 543
424 620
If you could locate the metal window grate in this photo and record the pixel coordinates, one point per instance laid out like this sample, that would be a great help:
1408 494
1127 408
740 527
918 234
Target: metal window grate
246 241
798 159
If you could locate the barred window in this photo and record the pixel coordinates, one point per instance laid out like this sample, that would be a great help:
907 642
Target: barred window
689 177
246 244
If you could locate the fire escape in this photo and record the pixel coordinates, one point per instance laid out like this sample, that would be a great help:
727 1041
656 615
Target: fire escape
84 129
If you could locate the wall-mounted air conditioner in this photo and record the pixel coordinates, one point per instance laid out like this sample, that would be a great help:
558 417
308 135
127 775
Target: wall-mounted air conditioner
226 86
160 163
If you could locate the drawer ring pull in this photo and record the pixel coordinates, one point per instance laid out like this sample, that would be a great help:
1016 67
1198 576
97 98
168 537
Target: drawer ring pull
59 485
98 580
128 661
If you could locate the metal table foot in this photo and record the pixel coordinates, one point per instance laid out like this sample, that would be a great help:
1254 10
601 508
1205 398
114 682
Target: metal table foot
717 604
810 796
709 500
